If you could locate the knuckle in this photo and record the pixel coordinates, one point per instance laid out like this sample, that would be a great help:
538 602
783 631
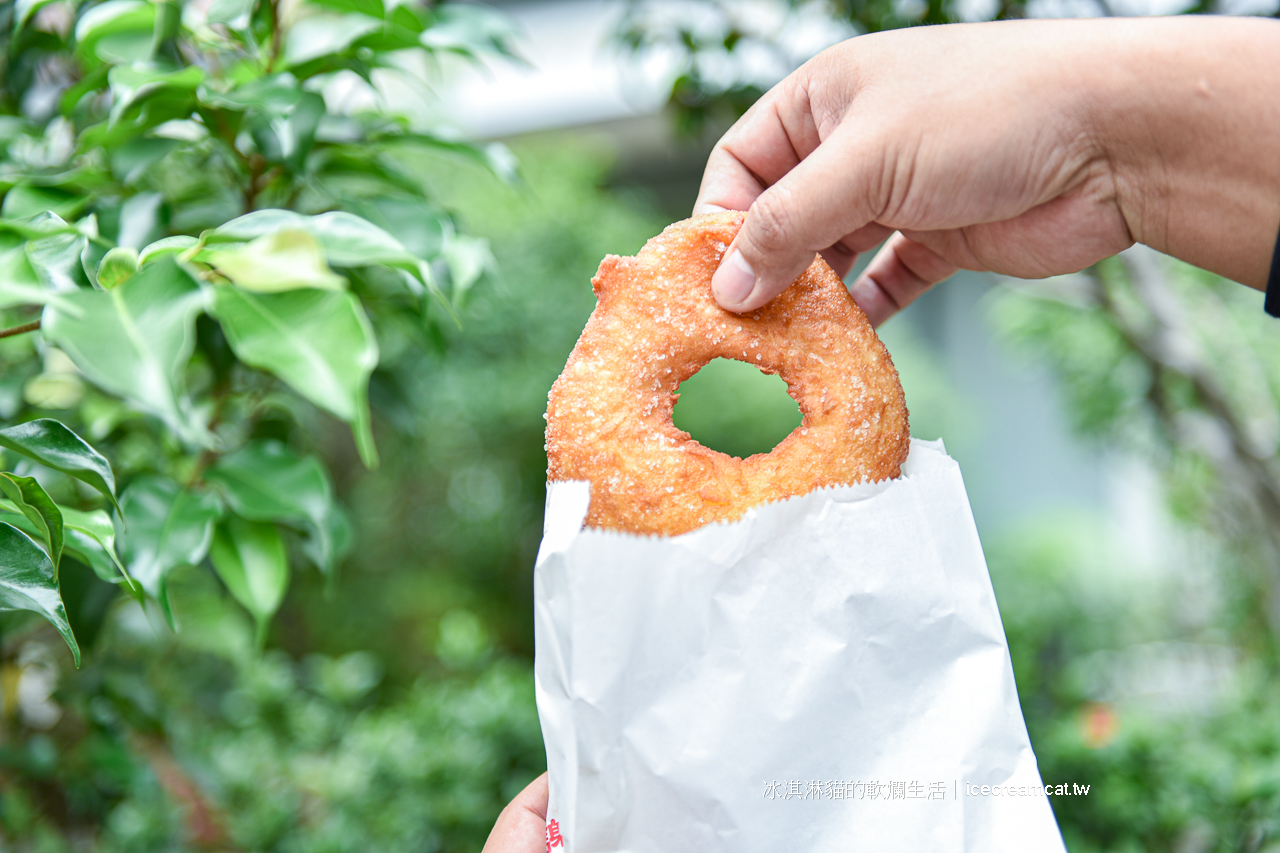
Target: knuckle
771 223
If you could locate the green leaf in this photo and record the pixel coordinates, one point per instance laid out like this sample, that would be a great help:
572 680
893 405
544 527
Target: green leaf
40 225
420 226
250 558
88 85
25 200
91 257
30 499
135 340
116 31
28 582
168 526
94 536
56 260
134 84
19 284
348 240
167 246
50 443
131 160
140 220
118 265
168 23
286 260
89 538
471 30
265 481
468 258
233 13
372 8
324 35
495 156
276 95
319 342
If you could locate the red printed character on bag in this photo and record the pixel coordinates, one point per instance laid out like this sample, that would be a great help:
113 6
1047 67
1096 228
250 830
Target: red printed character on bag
553 836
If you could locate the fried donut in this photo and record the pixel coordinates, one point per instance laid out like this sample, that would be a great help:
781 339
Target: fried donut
656 324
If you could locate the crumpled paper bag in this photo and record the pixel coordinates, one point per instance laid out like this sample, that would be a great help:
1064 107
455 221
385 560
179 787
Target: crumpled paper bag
827 674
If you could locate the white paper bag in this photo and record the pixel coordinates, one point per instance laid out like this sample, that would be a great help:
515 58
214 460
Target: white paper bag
827 674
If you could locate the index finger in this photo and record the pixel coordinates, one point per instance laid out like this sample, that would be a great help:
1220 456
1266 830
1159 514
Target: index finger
764 145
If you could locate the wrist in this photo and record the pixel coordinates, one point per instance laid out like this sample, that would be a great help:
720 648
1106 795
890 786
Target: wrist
1189 120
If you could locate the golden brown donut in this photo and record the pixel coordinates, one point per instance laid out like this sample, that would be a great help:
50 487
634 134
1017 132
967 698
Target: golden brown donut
656 324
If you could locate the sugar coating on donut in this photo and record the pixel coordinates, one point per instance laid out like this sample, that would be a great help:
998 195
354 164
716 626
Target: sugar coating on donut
656 324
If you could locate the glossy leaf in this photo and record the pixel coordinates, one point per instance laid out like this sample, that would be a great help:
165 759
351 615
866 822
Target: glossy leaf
284 125
418 225
131 160
116 31
134 340
285 260
250 558
319 342
81 542
94 536
234 13
56 260
118 265
40 225
167 246
168 526
275 95
91 257
323 35
25 200
19 284
372 8
29 498
468 258
28 582
133 84
140 220
265 481
495 156
50 443
470 30
348 240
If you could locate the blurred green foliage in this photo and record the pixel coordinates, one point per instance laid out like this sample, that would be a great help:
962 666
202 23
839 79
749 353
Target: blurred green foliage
214 241
430 626
732 407
1146 653
205 234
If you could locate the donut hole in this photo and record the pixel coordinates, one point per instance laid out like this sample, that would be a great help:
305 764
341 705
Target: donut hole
733 407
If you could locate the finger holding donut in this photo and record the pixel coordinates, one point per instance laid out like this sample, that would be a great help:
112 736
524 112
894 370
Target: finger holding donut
655 325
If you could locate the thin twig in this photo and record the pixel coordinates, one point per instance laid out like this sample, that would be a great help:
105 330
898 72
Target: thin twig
19 330
273 7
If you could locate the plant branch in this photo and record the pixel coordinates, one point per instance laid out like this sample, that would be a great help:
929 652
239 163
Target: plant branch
1167 345
19 330
273 7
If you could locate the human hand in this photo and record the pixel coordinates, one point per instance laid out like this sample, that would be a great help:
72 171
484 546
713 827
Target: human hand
522 826
1030 148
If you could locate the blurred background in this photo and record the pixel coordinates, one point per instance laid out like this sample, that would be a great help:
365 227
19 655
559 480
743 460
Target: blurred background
1117 431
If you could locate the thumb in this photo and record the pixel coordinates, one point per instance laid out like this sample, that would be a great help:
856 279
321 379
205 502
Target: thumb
827 195
522 826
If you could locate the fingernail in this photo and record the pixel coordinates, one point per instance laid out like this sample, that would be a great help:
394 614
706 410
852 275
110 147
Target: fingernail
735 279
